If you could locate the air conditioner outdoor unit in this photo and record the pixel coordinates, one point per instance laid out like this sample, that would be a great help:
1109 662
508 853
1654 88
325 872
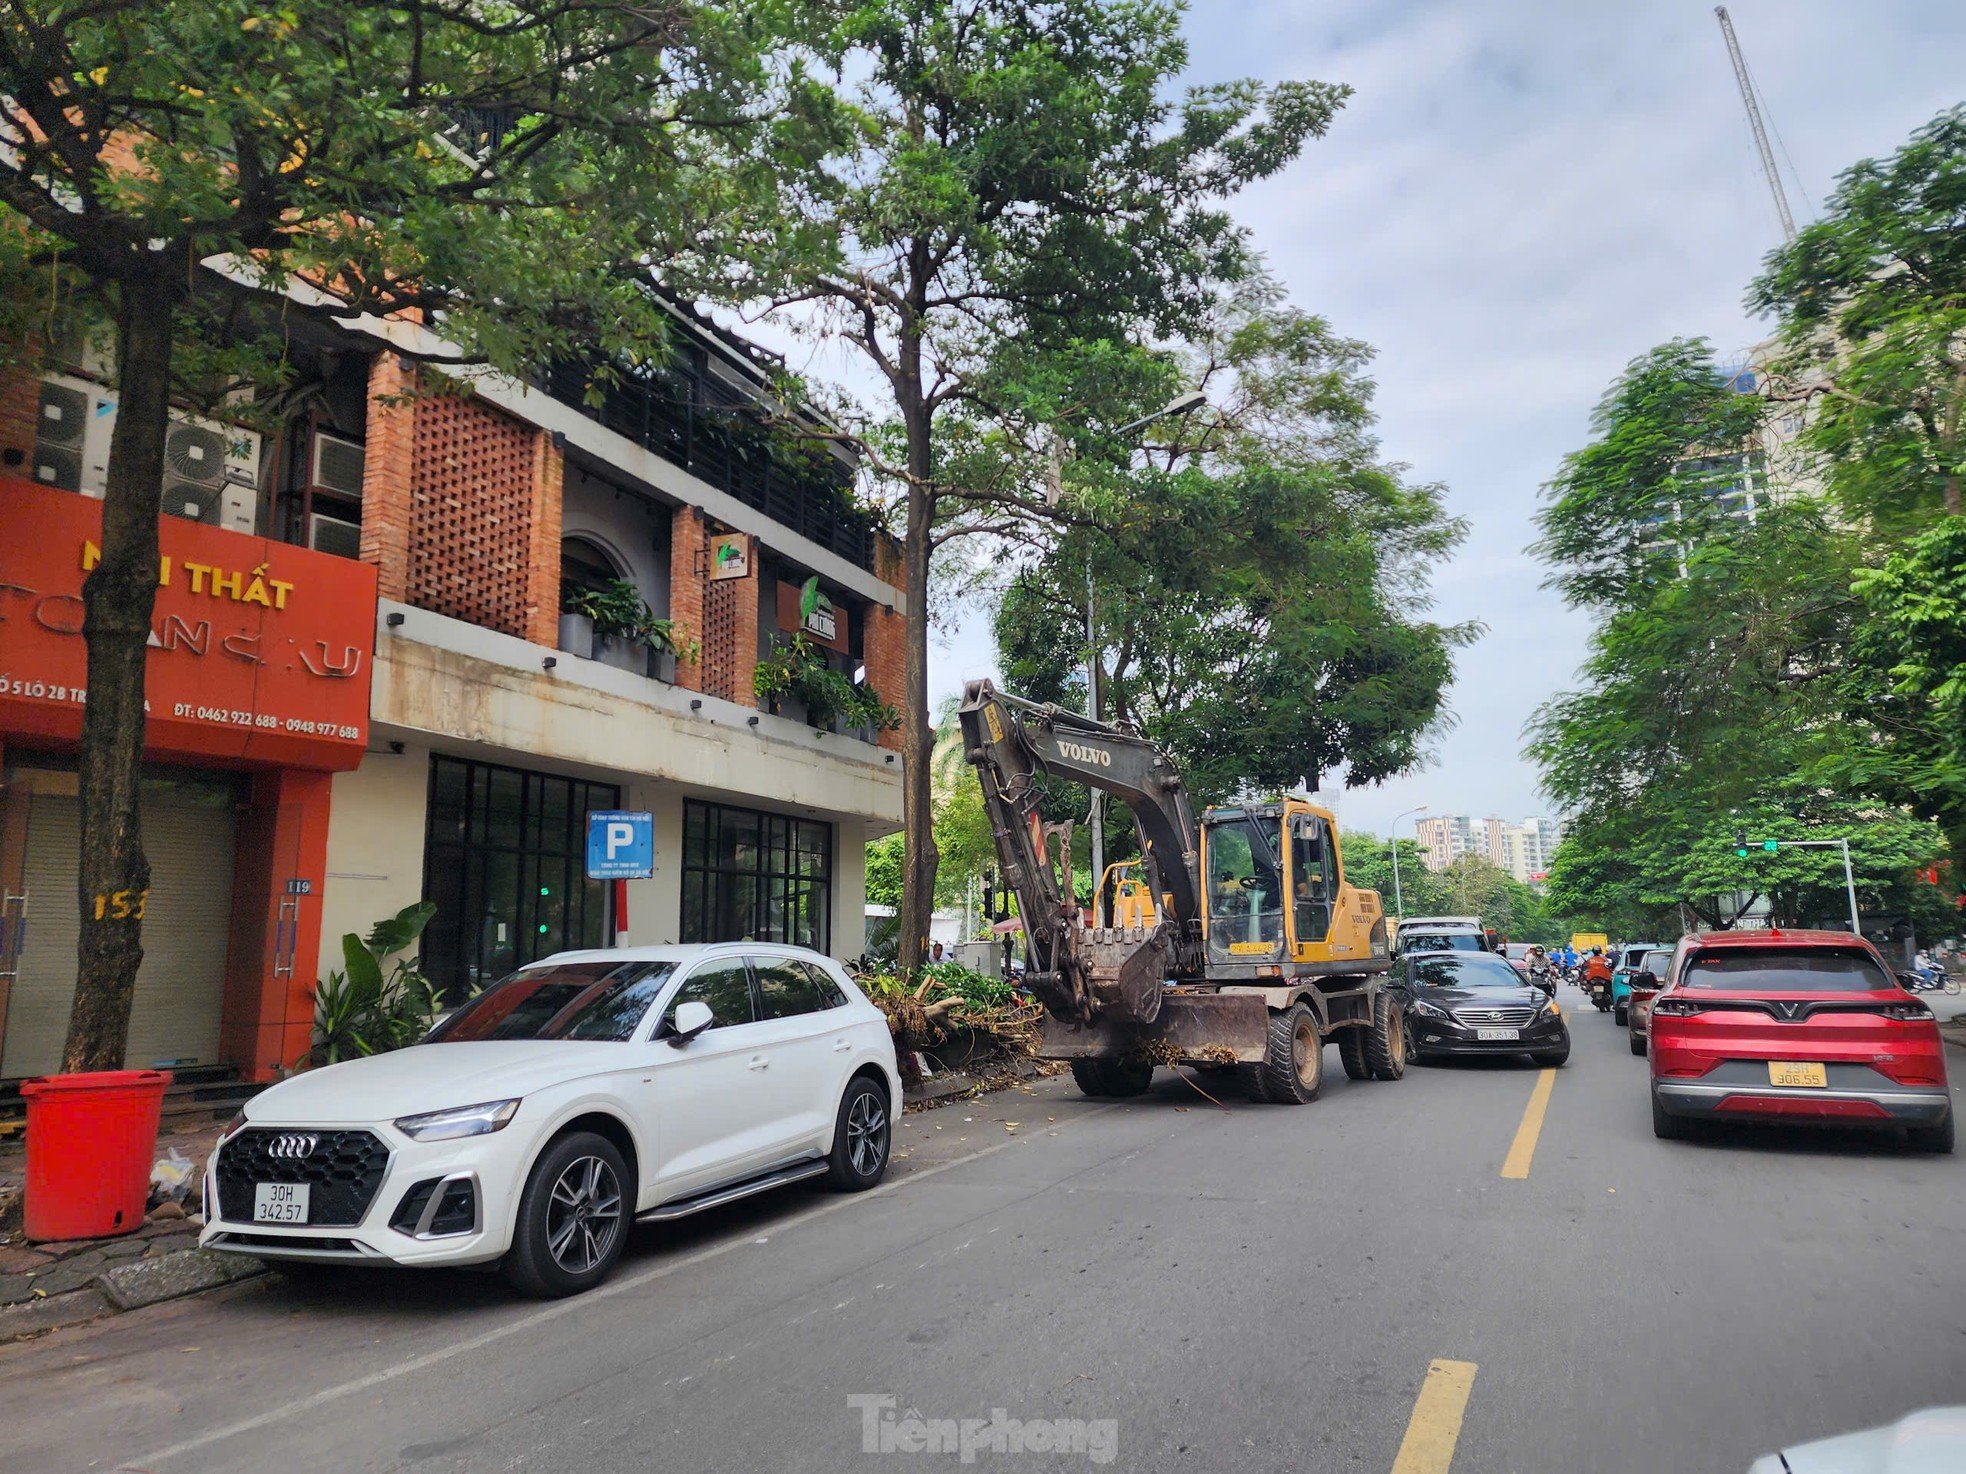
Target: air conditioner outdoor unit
336 465
211 473
334 535
72 425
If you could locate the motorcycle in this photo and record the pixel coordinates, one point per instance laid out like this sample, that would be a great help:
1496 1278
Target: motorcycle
1601 995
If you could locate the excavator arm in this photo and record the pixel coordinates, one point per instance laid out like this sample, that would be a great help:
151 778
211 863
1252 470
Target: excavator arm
1115 974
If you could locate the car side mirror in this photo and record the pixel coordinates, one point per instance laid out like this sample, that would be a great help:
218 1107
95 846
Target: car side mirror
689 1020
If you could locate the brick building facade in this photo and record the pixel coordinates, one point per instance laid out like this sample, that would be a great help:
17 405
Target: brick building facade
494 725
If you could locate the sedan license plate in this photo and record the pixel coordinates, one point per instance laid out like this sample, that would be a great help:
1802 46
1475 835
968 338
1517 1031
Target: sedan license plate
1498 1035
280 1202
1795 1072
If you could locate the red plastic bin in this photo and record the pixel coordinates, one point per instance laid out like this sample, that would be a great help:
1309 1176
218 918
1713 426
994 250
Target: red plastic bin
90 1140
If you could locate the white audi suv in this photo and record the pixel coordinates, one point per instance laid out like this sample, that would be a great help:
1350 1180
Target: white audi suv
584 1092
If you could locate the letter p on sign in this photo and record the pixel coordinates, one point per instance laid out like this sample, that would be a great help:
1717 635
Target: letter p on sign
620 846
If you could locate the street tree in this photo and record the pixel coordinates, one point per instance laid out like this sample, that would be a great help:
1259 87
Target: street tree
1259 584
511 173
1024 178
1871 299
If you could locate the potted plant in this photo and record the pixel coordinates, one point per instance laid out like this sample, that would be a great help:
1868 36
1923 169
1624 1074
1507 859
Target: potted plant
669 643
773 677
577 624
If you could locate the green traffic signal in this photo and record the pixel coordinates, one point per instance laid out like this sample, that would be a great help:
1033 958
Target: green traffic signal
1741 843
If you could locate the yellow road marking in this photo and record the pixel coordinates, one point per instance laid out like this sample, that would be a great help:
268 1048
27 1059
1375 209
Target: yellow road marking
1435 1426
1524 1145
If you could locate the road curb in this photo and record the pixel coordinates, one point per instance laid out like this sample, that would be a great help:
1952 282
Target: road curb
129 1285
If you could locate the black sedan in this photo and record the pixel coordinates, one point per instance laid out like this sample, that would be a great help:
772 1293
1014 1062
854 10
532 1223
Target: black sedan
1460 1003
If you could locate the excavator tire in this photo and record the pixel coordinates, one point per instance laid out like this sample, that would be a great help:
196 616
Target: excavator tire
1353 1052
1251 1077
1385 1046
1293 1070
1112 1077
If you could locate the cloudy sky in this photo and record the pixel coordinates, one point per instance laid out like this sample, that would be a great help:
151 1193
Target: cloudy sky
1521 197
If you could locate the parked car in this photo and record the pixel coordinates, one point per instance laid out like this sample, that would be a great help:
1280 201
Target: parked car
1795 1026
1625 962
580 1094
1933 1439
1645 985
1460 1003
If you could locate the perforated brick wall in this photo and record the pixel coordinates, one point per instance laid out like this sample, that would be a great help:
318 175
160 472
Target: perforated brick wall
472 515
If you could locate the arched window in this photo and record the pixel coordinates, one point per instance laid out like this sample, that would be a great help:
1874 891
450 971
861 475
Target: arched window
585 566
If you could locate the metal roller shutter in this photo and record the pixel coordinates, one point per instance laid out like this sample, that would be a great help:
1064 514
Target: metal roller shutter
180 991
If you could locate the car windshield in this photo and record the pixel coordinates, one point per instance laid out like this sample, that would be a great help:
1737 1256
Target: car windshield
569 1000
1787 970
1448 941
1480 971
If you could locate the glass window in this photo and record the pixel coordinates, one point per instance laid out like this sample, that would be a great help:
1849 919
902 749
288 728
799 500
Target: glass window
1775 970
577 1000
1448 941
750 876
1477 970
785 988
831 994
725 986
504 861
1310 880
1245 890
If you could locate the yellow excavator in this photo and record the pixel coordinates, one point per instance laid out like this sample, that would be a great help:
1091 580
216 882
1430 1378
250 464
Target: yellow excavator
1239 946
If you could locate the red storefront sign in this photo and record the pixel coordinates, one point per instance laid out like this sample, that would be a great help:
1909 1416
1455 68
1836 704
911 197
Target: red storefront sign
259 651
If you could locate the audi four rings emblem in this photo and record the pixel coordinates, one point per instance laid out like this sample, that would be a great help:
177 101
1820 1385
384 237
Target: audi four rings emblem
291 1148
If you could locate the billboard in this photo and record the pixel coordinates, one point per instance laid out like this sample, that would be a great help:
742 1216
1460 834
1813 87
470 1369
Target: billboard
260 651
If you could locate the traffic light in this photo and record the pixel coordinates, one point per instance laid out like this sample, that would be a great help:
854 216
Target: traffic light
1741 843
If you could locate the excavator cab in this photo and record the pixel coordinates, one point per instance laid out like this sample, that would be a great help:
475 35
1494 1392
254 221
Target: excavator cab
1243 898
1276 889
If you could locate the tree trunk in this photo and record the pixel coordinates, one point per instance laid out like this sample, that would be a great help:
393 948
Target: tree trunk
919 857
118 600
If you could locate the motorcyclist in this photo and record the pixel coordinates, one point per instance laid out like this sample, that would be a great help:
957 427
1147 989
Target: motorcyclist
1537 961
1597 968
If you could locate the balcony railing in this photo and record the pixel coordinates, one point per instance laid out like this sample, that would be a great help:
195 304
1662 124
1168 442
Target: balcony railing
692 420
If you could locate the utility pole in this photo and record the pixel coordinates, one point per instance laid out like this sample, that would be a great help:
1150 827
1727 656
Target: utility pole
1755 124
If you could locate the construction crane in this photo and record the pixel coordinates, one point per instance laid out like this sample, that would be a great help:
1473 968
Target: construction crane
1754 123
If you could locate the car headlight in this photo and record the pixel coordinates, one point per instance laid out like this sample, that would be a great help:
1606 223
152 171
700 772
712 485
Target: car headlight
471 1120
1550 1009
233 1127
1428 1010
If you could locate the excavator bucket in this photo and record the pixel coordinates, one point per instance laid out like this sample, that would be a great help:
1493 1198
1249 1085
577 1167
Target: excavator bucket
1126 968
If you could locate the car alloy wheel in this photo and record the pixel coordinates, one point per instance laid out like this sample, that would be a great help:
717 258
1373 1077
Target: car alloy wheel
583 1215
866 1133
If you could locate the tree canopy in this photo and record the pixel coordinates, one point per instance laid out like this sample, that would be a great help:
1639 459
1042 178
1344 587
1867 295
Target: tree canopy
1022 180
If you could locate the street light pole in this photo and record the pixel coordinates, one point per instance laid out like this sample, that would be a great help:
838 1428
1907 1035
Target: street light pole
1399 901
1182 404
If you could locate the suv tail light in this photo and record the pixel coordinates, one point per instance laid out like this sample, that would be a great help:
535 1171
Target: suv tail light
1910 1013
1675 1007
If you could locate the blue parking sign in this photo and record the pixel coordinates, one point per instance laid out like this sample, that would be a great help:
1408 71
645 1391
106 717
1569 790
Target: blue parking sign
620 845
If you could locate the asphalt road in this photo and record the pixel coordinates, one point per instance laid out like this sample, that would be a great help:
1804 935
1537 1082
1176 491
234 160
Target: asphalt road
1157 1281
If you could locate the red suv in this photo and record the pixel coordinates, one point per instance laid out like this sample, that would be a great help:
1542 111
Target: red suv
1808 1027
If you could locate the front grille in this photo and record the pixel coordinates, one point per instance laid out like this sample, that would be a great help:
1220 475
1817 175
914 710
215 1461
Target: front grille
344 1168
1507 1018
